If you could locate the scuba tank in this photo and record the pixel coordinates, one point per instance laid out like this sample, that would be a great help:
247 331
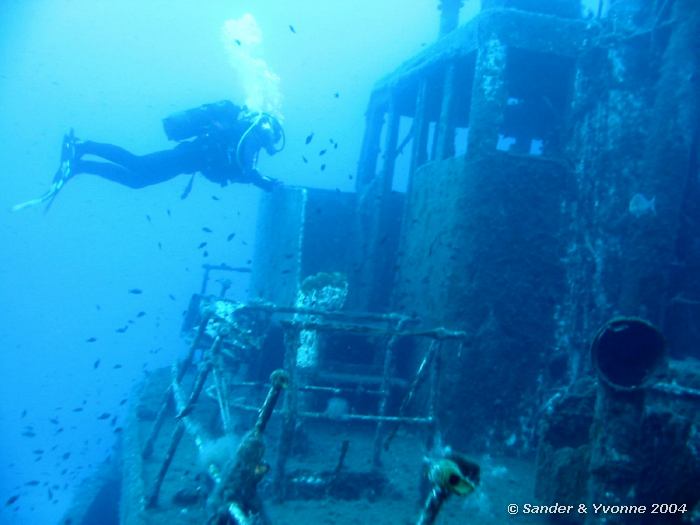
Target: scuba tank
197 121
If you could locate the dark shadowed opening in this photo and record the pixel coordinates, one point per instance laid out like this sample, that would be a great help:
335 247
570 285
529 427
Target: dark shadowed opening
627 352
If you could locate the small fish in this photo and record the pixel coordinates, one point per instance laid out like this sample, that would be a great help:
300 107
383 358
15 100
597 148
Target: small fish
29 433
136 291
141 314
11 500
78 409
205 253
168 212
323 167
238 42
201 245
215 198
148 218
32 483
104 415
639 205
206 230
117 366
160 245
66 455
172 297
122 329
230 236
24 413
309 138
96 364
38 451
336 94
291 28
306 161
122 402
322 152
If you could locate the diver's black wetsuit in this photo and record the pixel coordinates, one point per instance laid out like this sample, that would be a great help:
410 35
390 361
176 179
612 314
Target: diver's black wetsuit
216 154
138 171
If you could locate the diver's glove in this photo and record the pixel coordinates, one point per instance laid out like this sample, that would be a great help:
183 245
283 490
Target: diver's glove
267 183
261 181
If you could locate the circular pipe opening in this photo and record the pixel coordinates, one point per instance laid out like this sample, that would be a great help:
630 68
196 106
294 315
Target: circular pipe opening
626 352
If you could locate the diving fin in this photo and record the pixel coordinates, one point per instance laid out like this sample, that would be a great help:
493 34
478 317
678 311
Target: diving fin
64 172
188 188
48 196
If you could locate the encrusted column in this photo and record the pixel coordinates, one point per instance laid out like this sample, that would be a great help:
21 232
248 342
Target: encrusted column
446 128
420 131
488 97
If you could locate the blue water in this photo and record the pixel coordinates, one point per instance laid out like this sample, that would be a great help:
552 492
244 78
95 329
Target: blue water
112 70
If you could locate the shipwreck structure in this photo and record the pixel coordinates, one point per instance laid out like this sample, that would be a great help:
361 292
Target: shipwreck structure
534 133
524 179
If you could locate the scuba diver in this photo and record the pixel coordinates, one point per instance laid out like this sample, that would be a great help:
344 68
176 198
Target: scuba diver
225 142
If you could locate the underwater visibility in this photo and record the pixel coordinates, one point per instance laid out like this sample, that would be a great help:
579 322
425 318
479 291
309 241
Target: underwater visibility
319 263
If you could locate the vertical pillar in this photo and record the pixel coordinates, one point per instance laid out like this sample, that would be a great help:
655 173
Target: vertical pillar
372 187
488 100
390 140
433 431
289 412
374 121
379 211
387 373
420 130
446 131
